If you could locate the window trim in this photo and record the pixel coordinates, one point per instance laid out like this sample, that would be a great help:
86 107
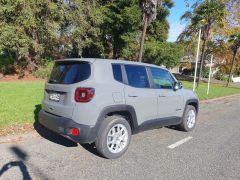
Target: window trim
151 78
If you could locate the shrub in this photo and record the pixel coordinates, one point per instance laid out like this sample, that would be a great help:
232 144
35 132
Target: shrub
7 65
221 76
190 72
205 72
44 70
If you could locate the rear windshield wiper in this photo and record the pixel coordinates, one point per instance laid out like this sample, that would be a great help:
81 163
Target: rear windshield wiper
53 81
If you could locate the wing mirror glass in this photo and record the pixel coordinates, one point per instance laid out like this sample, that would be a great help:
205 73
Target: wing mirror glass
177 86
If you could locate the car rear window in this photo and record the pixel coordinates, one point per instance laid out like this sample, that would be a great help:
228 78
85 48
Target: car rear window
70 72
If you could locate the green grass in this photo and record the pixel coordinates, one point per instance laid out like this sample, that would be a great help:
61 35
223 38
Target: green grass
18 100
214 92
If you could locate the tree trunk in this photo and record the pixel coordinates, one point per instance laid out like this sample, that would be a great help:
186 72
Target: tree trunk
205 39
231 70
143 38
202 62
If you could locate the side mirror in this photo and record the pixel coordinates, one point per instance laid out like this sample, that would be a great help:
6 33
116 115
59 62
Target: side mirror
177 86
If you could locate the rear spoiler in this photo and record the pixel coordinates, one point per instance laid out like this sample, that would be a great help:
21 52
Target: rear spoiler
90 60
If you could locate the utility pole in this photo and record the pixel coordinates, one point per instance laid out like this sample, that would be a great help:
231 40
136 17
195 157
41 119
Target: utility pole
196 64
210 73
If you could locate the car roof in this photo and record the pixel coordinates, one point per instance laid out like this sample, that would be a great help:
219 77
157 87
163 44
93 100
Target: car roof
115 61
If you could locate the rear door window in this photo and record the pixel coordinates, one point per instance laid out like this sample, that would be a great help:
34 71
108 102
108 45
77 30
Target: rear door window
137 76
70 72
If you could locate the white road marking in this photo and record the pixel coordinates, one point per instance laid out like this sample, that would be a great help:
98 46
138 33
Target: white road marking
176 144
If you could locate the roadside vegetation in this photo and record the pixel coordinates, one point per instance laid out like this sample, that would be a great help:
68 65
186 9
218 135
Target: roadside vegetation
80 28
20 101
33 34
219 22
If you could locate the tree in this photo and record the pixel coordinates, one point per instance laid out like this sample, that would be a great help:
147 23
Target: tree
26 27
31 31
149 9
167 54
207 15
80 29
122 28
235 40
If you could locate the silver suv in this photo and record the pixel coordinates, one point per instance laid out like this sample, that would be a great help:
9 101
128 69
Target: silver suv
106 101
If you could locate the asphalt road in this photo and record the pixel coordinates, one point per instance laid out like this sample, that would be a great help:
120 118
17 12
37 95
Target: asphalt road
211 151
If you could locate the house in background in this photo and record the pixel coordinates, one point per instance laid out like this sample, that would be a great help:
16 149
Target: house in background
187 66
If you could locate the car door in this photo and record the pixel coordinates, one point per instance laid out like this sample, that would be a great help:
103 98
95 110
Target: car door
139 94
170 102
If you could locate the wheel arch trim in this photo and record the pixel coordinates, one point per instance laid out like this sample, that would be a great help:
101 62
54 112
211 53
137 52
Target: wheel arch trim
115 109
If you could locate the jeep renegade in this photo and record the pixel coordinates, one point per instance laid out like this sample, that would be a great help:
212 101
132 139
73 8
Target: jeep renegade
106 101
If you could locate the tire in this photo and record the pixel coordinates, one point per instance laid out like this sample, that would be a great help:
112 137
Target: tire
187 123
110 143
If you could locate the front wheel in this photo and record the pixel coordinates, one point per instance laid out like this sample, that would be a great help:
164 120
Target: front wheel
114 137
189 119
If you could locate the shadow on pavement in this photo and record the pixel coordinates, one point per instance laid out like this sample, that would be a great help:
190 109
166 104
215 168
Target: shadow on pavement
23 168
22 163
92 149
49 135
19 164
174 128
56 138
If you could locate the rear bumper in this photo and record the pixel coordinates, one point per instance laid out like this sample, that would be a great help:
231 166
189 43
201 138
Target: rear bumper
62 126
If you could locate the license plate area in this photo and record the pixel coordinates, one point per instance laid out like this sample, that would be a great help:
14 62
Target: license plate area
54 97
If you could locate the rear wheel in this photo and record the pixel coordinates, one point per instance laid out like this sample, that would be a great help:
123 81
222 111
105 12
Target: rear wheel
114 137
189 119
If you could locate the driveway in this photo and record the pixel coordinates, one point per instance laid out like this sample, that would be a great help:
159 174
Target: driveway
211 151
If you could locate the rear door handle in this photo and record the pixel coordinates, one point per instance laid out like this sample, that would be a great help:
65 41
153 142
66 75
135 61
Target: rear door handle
130 95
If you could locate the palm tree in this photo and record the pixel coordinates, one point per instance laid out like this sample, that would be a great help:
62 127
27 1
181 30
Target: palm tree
235 40
207 15
149 9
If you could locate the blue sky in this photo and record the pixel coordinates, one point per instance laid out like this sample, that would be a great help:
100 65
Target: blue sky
176 25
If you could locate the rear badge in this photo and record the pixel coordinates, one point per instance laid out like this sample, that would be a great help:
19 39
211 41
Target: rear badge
54 97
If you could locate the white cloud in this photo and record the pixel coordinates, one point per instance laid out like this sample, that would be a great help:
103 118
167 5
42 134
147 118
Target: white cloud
175 30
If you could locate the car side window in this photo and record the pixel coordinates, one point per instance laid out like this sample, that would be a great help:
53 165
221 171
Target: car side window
161 78
137 76
117 72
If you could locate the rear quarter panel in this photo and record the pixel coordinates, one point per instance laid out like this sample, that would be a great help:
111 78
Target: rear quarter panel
108 92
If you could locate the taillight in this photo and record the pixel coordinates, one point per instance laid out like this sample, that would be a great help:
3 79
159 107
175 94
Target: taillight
84 94
74 131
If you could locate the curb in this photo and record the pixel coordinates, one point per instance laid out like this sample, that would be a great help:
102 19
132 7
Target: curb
219 98
14 139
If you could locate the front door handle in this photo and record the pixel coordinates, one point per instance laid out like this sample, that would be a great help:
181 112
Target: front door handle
161 96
